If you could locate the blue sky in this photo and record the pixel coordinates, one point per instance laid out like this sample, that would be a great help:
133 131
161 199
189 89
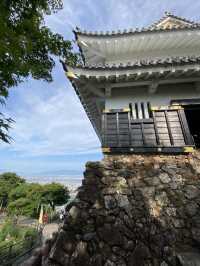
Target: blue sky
52 135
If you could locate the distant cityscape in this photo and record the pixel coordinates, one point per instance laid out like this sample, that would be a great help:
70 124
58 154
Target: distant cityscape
68 181
42 178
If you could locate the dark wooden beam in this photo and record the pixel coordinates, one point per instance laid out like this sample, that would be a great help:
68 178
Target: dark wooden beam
150 150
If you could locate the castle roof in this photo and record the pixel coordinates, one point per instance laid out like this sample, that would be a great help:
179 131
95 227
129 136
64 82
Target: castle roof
169 61
169 22
169 34
166 52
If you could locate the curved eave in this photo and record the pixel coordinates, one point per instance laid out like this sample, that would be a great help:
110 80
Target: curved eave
121 48
171 61
140 77
90 114
72 77
136 69
136 31
79 47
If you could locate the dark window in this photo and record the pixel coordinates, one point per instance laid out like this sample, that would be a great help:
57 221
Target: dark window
149 109
192 113
136 110
140 110
131 109
143 112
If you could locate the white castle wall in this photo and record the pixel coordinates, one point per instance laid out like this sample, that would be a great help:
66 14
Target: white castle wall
121 97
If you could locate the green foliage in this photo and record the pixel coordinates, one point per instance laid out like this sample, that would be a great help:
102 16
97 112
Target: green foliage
27 46
55 194
11 233
5 125
12 230
23 206
23 198
26 199
9 230
8 181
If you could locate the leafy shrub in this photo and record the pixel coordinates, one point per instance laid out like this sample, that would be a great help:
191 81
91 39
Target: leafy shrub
20 238
26 198
23 198
10 230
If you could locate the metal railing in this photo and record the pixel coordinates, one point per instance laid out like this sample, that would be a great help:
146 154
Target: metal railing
10 253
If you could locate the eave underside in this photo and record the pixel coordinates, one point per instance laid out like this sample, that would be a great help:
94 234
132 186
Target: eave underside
146 45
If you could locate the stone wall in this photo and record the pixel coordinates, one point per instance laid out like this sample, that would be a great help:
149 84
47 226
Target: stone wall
131 210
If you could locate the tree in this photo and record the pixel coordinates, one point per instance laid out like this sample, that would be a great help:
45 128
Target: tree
26 199
27 46
8 181
5 124
55 194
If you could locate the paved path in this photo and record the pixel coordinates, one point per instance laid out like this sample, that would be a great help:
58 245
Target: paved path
49 229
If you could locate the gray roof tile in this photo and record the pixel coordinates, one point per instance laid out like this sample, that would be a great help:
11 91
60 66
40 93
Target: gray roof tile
152 28
144 63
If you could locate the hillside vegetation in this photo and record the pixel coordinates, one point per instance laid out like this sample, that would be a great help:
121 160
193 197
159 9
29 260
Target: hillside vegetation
18 197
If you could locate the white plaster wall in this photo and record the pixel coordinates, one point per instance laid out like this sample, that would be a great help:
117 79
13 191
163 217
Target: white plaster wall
121 97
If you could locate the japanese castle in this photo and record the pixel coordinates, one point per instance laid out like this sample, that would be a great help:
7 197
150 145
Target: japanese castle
141 88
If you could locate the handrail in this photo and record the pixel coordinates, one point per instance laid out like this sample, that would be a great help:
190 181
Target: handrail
19 249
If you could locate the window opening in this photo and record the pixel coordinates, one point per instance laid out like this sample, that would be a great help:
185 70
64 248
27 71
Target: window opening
192 113
136 110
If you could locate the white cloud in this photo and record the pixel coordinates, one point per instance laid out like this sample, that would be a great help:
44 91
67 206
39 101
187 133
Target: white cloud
55 125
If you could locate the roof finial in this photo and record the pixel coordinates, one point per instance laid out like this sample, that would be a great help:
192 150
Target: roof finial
167 13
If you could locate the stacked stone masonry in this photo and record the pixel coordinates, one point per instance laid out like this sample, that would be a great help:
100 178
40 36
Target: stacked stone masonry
131 210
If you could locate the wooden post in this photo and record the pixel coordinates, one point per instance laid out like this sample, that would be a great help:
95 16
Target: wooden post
143 136
156 130
129 128
10 251
103 131
117 120
186 131
169 128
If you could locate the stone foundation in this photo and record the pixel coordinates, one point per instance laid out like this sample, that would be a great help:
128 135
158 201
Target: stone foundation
132 210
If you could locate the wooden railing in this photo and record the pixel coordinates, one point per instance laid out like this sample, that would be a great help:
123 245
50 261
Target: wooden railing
166 130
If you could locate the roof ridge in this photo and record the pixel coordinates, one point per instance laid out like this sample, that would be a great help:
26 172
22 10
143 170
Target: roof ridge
152 27
133 31
181 18
169 14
